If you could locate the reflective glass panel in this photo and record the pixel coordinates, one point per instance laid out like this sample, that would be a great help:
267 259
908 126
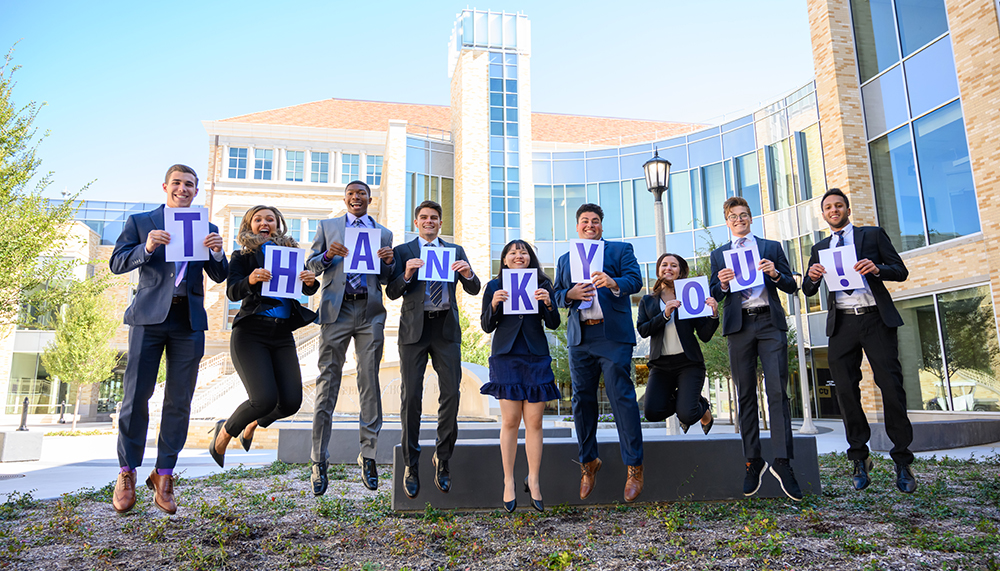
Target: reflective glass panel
645 222
602 169
874 35
749 181
896 196
738 142
920 355
679 192
705 152
885 103
714 193
677 157
611 203
920 21
779 165
698 206
575 198
558 213
970 347
628 209
930 77
568 171
682 244
632 165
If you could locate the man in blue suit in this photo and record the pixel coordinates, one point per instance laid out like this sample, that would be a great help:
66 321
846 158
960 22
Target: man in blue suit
601 337
168 313
753 322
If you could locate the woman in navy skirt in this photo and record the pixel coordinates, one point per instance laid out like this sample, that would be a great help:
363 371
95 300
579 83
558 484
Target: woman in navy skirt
520 369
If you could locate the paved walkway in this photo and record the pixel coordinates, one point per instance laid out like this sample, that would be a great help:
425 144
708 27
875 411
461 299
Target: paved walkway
70 463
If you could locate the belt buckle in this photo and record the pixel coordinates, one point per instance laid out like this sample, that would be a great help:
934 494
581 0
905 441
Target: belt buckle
857 310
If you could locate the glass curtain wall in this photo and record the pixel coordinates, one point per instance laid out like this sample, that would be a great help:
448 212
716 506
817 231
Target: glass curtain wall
430 175
505 167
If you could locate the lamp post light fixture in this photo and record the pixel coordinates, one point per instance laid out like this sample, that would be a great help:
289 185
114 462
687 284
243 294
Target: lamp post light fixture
657 180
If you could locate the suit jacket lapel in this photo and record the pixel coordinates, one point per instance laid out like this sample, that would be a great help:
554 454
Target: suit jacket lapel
859 237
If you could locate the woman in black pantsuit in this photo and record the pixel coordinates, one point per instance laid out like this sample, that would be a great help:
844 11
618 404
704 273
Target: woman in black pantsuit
676 364
262 344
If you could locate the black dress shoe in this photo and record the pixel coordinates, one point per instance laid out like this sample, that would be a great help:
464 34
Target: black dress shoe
537 504
411 482
511 505
220 459
318 478
905 480
861 479
369 474
246 442
442 478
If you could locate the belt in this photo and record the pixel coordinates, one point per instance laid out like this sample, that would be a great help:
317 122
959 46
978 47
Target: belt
592 321
756 310
178 299
355 296
268 319
435 314
858 310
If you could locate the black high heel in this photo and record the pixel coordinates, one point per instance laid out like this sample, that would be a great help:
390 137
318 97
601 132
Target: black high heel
220 459
246 442
511 505
537 504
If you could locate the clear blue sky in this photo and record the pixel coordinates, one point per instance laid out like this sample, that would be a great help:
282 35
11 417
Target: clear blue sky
127 84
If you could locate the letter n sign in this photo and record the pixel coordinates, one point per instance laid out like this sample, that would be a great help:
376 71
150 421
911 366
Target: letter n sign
437 264
285 265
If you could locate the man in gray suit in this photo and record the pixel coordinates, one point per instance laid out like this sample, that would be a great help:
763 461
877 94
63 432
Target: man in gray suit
428 327
351 308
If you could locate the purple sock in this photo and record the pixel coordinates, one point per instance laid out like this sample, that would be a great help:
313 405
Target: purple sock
165 471
126 470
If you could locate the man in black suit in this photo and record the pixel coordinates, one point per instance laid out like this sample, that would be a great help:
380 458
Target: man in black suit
754 325
428 326
167 314
865 319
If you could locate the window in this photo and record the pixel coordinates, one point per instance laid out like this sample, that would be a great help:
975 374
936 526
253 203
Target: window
349 167
313 226
320 170
237 162
295 164
237 220
295 228
233 308
421 187
875 36
782 188
263 160
373 173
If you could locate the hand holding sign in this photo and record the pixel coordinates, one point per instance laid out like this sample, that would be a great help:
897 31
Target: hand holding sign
744 264
839 264
361 247
693 295
437 264
187 228
285 266
521 286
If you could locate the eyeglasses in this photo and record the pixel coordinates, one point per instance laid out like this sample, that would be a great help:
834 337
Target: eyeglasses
735 217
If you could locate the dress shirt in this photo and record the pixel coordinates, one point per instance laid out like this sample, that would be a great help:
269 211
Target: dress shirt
671 341
859 297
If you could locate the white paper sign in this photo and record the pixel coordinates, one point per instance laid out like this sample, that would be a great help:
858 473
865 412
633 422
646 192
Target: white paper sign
285 265
585 257
187 228
839 264
521 286
692 293
744 263
437 264
362 246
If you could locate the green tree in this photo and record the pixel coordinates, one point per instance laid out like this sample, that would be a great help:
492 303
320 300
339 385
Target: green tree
475 343
32 231
81 353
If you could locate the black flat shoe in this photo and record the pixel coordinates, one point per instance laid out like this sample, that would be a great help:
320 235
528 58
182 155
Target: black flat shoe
684 427
511 505
246 442
537 504
220 459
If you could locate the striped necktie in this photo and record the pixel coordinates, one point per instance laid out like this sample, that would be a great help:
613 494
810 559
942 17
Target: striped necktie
356 280
435 291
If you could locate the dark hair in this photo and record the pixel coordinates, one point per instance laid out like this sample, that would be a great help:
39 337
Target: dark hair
359 182
180 168
589 207
532 260
252 242
732 202
835 192
662 283
428 204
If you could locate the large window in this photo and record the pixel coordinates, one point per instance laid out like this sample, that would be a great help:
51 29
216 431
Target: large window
319 170
421 187
28 378
349 165
237 162
263 163
373 170
295 164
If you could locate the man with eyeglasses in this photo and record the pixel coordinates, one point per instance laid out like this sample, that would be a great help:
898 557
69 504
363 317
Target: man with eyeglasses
865 319
754 325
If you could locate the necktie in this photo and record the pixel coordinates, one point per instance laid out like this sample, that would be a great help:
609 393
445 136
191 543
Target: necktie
356 280
745 294
181 268
435 291
840 242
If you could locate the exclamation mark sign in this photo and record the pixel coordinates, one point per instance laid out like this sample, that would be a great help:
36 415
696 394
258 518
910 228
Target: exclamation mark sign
840 268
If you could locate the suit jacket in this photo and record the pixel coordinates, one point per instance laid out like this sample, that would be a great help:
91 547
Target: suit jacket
506 327
621 265
155 291
873 243
411 319
732 318
651 323
335 279
238 288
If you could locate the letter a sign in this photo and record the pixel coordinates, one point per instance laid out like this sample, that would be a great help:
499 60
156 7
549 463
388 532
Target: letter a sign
585 257
744 263
187 228
521 286
437 264
285 265
362 244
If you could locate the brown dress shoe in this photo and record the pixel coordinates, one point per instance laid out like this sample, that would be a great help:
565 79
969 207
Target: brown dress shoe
163 491
588 477
124 497
633 485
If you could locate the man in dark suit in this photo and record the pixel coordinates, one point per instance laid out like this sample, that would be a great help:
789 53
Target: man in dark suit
168 313
351 308
601 337
753 322
865 320
428 327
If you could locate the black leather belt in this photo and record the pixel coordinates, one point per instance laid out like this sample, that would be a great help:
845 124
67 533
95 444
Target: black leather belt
858 310
178 299
355 296
592 321
757 310
435 314
268 319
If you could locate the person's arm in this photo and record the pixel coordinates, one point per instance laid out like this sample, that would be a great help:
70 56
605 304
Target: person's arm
810 287
705 327
217 266
317 262
471 284
130 251
238 282
648 325
892 268
550 313
785 282
630 280
562 285
386 270
398 286
490 318
714 285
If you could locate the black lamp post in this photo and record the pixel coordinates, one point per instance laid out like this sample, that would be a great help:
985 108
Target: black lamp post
657 181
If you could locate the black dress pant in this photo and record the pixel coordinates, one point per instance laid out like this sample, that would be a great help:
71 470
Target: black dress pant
869 333
674 386
264 356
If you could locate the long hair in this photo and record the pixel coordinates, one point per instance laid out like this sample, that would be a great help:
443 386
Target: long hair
662 283
252 242
532 260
